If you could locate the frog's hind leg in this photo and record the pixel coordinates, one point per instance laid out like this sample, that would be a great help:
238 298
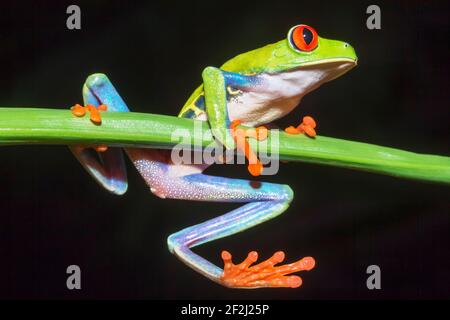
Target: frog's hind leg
263 202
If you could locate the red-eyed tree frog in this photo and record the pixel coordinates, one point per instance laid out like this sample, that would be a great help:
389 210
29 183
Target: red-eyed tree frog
254 88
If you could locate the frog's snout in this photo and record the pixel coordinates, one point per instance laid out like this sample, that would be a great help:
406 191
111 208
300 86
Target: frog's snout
350 51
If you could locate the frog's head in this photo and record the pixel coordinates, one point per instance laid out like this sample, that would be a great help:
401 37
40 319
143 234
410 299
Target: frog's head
303 49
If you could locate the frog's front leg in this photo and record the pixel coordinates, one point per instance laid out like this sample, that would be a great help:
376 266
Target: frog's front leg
218 84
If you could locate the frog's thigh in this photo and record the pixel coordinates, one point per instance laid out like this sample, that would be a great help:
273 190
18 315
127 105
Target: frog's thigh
160 173
187 182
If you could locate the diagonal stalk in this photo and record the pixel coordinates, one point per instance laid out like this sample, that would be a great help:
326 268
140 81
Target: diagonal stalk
131 129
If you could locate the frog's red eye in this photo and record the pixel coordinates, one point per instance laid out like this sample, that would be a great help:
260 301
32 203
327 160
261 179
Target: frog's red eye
303 38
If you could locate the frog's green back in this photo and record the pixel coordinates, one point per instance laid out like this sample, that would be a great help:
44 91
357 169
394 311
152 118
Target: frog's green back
191 101
248 63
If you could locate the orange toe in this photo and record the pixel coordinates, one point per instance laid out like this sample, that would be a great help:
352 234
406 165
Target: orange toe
101 148
292 130
95 116
309 121
239 135
308 130
78 110
255 169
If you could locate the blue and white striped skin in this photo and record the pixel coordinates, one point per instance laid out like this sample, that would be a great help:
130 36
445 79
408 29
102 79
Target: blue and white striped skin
255 88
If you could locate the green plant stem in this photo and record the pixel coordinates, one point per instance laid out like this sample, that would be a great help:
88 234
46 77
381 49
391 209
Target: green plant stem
131 129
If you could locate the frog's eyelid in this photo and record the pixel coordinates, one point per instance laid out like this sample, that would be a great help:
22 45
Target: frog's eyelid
290 40
289 36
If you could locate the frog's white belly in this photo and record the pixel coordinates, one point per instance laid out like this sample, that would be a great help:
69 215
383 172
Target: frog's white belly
256 108
275 96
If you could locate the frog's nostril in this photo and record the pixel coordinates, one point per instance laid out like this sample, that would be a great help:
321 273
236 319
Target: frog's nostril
345 45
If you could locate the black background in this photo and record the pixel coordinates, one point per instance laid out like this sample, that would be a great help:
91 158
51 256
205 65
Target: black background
52 214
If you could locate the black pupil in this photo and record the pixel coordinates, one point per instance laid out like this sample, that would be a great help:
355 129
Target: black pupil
307 36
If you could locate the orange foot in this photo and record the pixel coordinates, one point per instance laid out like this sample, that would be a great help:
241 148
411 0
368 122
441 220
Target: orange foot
255 166
264 274
307 127
95 117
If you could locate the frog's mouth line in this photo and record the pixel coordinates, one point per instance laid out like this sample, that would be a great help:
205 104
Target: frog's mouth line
333 68
331 60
